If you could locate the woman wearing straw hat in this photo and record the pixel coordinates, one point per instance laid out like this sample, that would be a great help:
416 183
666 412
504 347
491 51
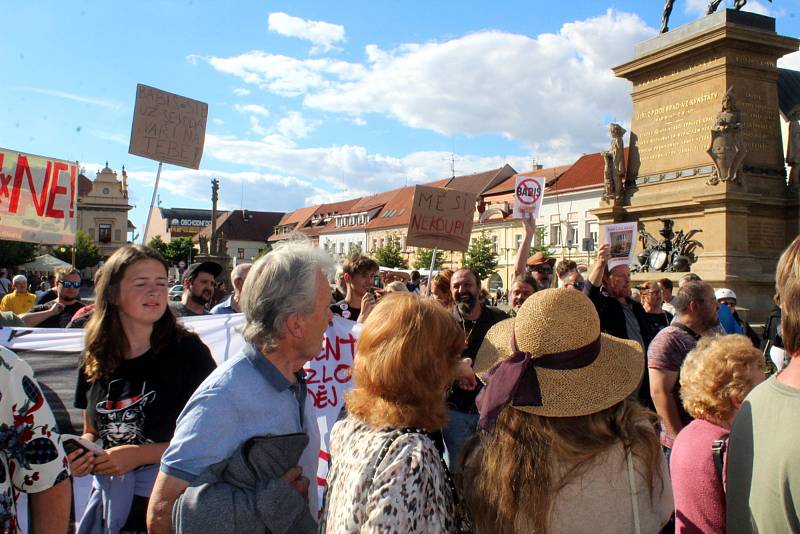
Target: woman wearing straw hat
562 448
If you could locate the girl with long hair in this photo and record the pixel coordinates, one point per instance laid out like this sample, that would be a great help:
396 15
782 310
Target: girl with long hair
139 368
562 448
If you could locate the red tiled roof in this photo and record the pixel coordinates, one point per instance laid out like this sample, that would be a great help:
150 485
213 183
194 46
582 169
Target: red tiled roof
370 202
507 185
586 173
396 212
244 225
84 185
479 182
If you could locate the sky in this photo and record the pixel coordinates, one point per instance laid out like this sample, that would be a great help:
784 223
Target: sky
316 101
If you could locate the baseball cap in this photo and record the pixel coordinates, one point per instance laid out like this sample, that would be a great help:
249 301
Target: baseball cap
210 267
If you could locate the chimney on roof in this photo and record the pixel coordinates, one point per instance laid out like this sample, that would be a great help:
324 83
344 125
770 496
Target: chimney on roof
246 216
538 166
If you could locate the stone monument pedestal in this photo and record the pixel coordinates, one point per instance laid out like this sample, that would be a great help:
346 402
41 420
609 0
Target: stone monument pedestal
679 80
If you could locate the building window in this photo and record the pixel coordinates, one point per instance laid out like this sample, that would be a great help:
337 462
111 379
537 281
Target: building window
374 244
240 253
538 239
104 233
555 235
341 247
517 241
591 231
572 234
494 243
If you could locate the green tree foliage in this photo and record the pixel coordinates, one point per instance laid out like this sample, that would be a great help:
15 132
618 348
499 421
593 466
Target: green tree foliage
480 257
13 253
423 259
179 249
86 252
538 244
354 248
158 244
390 255
266 249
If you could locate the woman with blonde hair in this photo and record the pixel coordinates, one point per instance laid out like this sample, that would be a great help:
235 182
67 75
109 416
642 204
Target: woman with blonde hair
715 378
139 369
562 447
386 474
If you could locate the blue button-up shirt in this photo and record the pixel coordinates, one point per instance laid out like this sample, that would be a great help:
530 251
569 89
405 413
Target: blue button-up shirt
246 396
224 307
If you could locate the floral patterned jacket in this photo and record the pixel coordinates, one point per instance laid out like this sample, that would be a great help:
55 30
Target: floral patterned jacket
31 456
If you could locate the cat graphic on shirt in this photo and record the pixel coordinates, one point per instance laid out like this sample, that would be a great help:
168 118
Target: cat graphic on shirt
121 422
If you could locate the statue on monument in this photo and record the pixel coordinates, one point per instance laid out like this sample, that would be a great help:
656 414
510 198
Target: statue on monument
222 245
203 241
617 148
793 148
612 181
727 148
712 7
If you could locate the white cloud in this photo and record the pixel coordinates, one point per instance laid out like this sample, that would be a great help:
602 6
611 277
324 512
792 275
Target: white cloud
348 168
295 126
323 35
359 121
790 61
241 91
256 127
284 75
218 122
552 92
112 137
252 109
91 100
262 191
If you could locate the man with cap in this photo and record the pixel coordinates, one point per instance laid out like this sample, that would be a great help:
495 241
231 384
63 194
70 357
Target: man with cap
538 266
620 315
20 300
198 288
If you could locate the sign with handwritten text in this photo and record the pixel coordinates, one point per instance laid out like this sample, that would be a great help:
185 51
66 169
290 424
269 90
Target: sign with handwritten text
441 218
37 198
167 127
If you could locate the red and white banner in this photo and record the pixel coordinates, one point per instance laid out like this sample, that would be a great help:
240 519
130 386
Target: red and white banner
37 198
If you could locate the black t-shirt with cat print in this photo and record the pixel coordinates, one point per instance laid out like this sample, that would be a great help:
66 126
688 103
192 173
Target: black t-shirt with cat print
141 402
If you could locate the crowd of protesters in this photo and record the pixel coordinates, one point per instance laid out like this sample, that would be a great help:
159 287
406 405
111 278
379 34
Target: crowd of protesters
581 409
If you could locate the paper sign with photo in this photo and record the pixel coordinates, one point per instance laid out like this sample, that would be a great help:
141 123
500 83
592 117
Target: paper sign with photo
528 196
621 239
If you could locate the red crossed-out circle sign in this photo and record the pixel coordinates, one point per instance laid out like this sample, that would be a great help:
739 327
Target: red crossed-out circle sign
529 191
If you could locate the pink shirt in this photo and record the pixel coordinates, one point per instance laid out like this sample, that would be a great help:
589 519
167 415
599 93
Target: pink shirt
699 495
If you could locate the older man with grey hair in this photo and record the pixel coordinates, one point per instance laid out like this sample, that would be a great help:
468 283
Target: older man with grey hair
259 392
231 304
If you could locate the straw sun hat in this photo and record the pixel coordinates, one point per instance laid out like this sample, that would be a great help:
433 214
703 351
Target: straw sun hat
579 371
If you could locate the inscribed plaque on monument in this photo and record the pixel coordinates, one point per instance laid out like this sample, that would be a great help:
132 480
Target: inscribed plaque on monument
441 218
168 128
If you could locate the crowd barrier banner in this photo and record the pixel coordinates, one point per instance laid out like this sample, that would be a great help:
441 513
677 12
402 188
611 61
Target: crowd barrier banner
37 198
328 375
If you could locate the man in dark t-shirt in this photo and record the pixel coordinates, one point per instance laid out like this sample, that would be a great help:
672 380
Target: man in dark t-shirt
476 319
58 314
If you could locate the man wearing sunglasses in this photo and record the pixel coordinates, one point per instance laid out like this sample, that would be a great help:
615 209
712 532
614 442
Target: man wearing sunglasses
57 314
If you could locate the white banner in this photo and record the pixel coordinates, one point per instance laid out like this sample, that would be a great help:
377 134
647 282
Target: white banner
328 375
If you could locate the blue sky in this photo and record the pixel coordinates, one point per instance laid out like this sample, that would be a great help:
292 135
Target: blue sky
318 101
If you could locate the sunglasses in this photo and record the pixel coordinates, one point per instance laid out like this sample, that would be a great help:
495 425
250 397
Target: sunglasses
579 285
542 270
69 284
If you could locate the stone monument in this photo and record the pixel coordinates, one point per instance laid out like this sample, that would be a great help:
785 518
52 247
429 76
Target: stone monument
706 150
210 249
